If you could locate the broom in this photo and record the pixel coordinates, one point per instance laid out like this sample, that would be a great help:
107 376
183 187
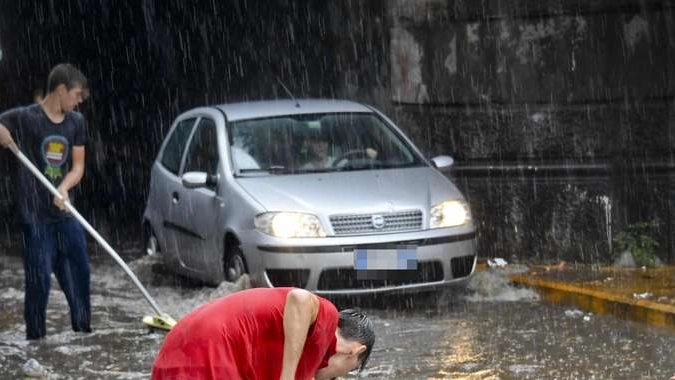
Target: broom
160 320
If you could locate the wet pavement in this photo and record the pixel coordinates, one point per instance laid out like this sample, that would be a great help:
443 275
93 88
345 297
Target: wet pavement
491 330
641 294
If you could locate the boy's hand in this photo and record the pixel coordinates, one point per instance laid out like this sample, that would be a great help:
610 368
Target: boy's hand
5 137
61 202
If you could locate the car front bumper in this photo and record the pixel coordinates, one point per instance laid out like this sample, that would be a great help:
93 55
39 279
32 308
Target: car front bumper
326 266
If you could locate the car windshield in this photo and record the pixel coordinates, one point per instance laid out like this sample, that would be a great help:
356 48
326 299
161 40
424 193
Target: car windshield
323 142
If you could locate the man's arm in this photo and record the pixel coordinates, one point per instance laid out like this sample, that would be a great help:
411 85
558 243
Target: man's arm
301 310
73 177
5 137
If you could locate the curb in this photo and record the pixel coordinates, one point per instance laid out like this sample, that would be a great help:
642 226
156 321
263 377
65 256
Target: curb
600 302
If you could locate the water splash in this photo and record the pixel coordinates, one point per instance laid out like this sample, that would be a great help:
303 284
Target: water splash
494 285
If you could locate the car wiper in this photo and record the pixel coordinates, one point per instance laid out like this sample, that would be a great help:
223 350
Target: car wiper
379 165
352 167
319 170
399 165
275 169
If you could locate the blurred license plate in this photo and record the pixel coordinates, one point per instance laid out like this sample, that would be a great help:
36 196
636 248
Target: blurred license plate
384 263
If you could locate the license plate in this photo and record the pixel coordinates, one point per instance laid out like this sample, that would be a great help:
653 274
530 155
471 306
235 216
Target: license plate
383 263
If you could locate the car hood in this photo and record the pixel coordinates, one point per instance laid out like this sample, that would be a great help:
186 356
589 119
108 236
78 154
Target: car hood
352 191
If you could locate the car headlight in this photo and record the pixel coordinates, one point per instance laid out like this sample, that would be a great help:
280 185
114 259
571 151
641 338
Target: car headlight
289 224
450 214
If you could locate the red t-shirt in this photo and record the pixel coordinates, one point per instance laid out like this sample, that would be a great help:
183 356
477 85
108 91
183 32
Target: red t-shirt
241 336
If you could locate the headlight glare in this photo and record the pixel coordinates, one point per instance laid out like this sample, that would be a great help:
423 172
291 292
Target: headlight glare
450 214
289 224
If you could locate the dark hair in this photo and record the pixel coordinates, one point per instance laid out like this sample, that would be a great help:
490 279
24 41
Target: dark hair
354 325
68 75
319 134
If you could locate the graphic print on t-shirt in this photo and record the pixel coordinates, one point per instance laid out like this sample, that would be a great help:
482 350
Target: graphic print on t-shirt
55 153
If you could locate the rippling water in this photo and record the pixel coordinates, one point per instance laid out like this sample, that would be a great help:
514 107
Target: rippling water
491 331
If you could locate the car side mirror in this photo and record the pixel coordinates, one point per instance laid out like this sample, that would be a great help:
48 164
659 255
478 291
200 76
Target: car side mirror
195 180
442 162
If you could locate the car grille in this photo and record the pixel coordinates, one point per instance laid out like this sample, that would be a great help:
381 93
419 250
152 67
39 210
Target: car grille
288 277
461 266
363 223
346 278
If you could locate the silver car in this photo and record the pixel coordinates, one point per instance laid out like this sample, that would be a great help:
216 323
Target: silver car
326 195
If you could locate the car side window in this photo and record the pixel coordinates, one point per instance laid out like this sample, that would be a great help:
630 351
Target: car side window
202 154
173 152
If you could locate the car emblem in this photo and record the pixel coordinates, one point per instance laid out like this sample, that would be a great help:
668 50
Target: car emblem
378 221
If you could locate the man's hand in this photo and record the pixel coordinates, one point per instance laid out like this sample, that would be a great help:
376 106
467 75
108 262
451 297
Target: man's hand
60 202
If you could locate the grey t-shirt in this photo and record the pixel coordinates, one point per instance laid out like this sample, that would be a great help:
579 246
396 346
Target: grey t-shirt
48 145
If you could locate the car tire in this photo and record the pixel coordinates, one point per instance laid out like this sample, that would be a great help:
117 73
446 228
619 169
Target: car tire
234 264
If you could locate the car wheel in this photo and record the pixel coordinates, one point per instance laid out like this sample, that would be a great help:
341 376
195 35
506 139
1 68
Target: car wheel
235 264
151 243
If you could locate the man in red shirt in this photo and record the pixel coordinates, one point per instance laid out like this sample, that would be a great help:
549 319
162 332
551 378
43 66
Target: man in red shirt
266 333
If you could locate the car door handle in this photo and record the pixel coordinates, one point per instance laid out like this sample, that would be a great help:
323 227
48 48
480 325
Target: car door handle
175 198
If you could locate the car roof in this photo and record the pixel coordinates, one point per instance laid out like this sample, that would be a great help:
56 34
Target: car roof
270 108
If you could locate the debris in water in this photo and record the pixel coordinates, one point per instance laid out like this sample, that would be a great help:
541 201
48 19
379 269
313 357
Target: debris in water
574 313
497 262
642 296
32 368
524 368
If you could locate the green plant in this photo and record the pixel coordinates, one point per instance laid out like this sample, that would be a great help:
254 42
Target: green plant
637 239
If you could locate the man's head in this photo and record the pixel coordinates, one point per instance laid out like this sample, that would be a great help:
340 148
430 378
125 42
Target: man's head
316 144
355 338
68 84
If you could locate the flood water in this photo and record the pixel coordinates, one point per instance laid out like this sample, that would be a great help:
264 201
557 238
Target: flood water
491 331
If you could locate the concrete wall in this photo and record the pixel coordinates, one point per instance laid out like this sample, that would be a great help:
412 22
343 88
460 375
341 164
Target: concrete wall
147 61
550 53
559 113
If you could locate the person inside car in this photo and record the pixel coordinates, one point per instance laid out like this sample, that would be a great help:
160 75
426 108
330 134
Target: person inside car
316 148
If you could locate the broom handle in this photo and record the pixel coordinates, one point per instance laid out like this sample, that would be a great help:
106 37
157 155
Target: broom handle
85 224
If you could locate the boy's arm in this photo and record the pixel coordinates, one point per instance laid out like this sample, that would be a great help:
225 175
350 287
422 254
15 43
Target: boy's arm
73 177
300 311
